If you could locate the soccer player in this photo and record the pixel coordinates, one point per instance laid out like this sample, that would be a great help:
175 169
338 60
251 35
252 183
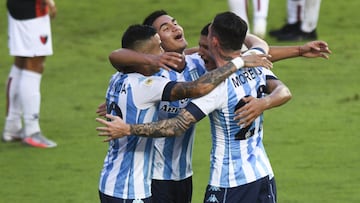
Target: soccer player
240 168
29 42
134 94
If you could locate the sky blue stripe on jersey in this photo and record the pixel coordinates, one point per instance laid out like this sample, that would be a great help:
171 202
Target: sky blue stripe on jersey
148 148
131 111
225 166
186 142
261 161
256 170
168 154
211 117
172 75
111 156
125 168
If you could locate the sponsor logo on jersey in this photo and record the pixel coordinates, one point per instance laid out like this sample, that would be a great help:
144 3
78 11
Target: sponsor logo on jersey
148 82
43 39
212 198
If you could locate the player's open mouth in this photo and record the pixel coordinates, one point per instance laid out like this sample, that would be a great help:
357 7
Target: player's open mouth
179 36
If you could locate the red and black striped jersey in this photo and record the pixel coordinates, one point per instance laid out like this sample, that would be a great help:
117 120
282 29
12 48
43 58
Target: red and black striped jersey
26 9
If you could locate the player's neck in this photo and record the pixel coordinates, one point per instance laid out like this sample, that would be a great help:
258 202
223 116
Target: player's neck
223 57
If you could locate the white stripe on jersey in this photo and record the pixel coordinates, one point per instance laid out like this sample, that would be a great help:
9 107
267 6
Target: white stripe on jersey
173 156
235 162
127 166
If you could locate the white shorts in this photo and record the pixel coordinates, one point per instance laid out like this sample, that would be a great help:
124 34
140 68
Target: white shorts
31 37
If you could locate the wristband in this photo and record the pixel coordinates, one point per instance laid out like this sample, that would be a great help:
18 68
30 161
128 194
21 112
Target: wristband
238 62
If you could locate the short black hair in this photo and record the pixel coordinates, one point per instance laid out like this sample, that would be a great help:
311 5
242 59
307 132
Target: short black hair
230 29
149 20
136 33
205 30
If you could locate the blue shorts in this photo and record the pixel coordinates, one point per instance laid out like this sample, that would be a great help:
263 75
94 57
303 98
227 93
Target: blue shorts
260 191
170 191
109 199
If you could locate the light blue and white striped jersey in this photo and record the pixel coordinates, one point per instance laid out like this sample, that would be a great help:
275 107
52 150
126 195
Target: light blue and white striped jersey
127 166
173 156
237 156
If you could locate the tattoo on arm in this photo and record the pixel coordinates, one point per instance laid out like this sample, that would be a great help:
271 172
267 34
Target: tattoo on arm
165 128
204 84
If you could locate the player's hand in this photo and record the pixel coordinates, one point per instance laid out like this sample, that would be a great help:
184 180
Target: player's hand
255 60
101 110
315 49
169 59
115 128
253 108
52 8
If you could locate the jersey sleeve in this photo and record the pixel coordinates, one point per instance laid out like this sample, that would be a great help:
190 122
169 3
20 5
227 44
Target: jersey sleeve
149 90
202 106
268 73
254 50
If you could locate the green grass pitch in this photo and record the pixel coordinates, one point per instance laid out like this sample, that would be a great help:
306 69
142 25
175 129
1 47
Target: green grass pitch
312 141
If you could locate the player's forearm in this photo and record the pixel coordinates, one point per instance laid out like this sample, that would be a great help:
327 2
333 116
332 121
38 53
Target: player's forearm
283 52
252 41
165 128
279 96
204 84
126 57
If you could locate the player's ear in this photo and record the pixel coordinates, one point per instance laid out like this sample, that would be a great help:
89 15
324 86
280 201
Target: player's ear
215 41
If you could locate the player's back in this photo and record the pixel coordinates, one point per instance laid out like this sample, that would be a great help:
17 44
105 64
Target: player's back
127 167
237 150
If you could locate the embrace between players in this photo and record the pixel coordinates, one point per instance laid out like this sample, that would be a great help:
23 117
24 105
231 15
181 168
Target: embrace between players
161 89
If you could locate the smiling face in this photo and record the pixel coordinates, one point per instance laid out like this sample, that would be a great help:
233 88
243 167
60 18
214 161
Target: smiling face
171 34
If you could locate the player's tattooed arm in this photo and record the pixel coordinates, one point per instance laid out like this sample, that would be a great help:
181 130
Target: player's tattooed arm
165 128
117 128
210 80
203 85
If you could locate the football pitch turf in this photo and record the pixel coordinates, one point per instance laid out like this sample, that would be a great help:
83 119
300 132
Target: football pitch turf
312 141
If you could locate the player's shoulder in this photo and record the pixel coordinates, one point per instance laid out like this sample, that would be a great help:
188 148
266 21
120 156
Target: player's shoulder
194 61
153 80
254 50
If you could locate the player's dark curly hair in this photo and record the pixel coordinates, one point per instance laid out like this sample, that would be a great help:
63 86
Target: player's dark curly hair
230 29
149 20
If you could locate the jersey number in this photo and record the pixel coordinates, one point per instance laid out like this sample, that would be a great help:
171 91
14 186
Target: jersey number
113 107
245 133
